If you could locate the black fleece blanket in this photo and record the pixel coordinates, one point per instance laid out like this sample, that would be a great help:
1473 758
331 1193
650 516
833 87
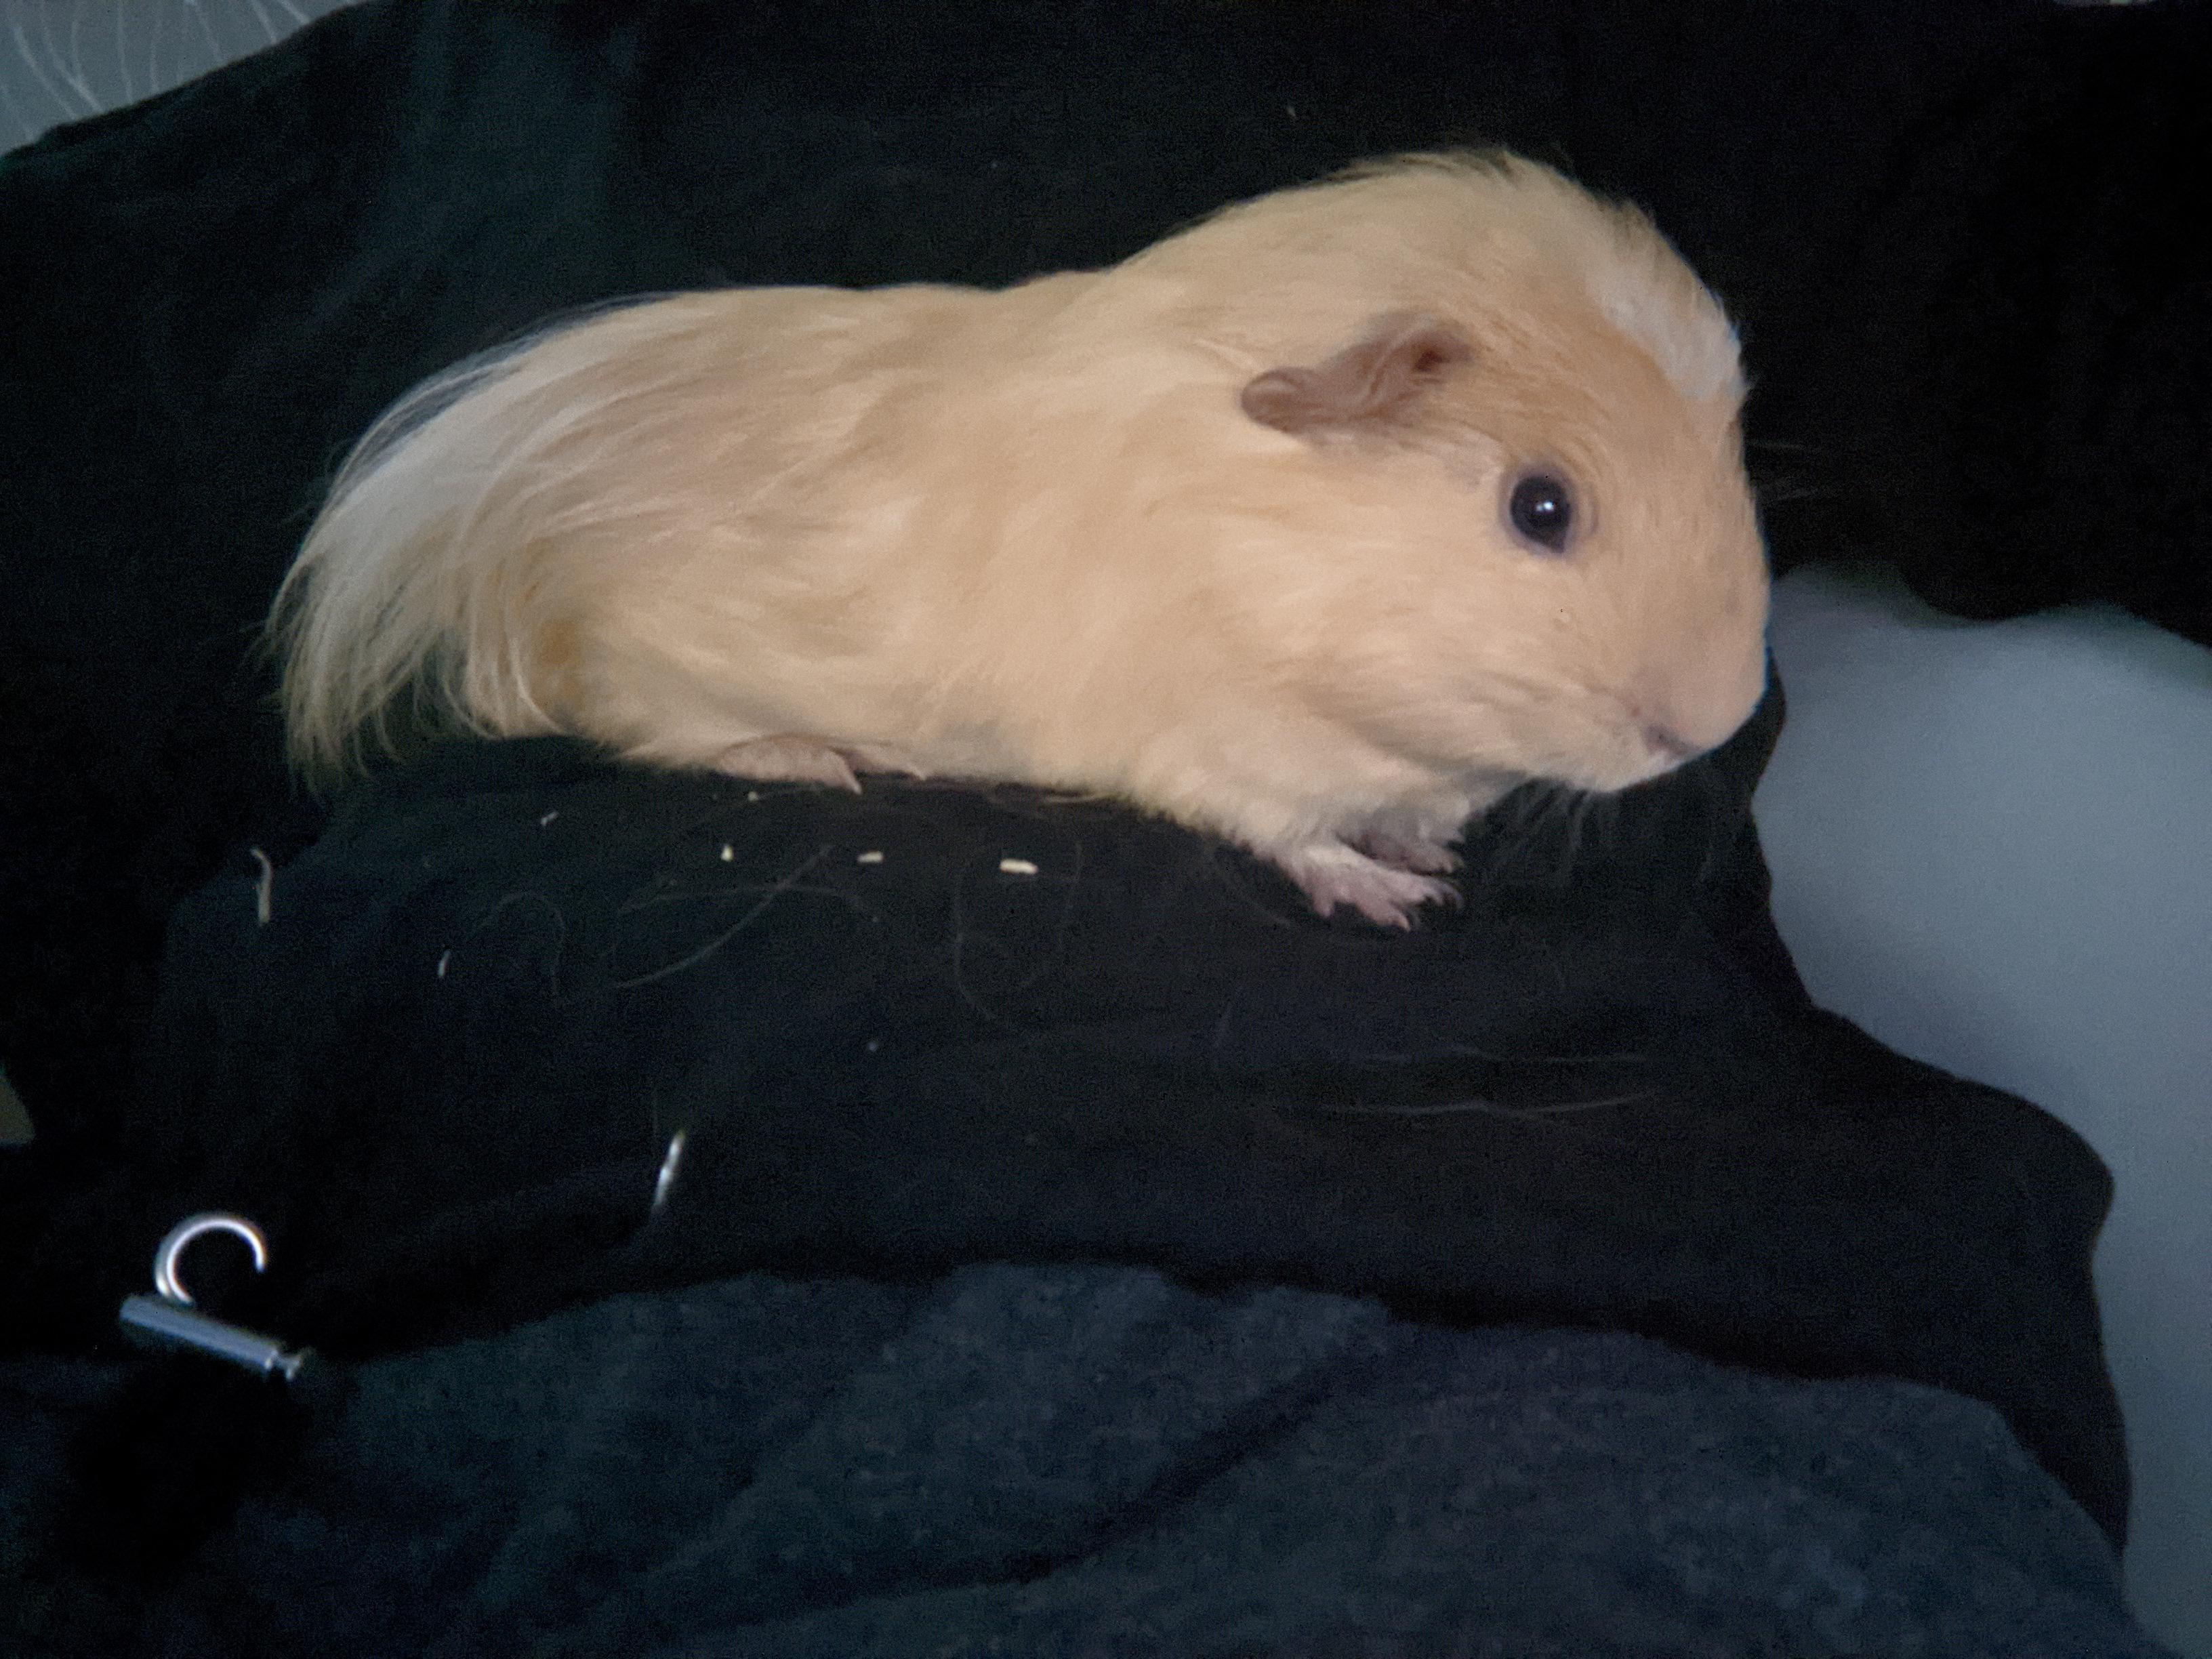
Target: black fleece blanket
981 1071
927 1025
443 1054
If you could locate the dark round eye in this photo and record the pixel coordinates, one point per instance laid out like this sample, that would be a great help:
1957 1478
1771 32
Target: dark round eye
1542 511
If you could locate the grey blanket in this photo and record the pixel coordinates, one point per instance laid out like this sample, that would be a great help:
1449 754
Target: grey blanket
1078 1460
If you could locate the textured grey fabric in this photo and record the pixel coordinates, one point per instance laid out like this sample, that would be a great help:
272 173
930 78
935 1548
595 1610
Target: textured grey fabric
1097 1460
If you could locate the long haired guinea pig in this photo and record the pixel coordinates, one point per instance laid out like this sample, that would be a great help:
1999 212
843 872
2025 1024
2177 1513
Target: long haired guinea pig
1317 526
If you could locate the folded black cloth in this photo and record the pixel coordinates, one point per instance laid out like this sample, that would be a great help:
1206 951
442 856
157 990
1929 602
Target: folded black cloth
1085 1461
926 1026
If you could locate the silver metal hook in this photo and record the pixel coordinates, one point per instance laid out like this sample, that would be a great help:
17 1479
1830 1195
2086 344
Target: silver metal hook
166 1284
168 1319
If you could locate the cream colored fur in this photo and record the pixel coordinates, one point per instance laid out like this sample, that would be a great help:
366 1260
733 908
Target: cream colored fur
1031 535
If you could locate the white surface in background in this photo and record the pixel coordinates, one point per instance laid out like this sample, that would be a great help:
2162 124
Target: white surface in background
1992 847
62 60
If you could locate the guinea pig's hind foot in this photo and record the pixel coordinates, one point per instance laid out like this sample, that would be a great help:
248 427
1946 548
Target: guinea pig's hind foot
1330 873
789 758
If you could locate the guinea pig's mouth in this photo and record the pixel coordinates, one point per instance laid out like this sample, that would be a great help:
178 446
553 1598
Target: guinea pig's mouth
1655 734
1669 750
1647 752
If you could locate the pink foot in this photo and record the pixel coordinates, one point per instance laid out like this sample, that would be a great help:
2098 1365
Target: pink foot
1330 873
1429 857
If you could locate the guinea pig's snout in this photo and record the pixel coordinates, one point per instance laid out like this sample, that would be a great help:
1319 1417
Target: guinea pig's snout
1687 716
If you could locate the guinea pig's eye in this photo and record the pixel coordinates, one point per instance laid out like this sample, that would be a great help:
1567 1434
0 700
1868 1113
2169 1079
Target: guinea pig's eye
1542 511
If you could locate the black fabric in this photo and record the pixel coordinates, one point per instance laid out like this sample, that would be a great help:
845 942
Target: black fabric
1094 1461
444 1071
1976 327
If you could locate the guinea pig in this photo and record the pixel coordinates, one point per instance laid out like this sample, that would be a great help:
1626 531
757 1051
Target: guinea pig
1318 525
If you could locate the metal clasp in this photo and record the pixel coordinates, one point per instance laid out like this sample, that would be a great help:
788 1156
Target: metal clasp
167 1319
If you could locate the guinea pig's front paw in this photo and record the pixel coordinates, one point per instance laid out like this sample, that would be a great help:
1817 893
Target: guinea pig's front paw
1408 852
1329 874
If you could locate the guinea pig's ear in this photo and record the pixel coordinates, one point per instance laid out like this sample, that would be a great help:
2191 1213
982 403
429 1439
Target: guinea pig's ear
1374 382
